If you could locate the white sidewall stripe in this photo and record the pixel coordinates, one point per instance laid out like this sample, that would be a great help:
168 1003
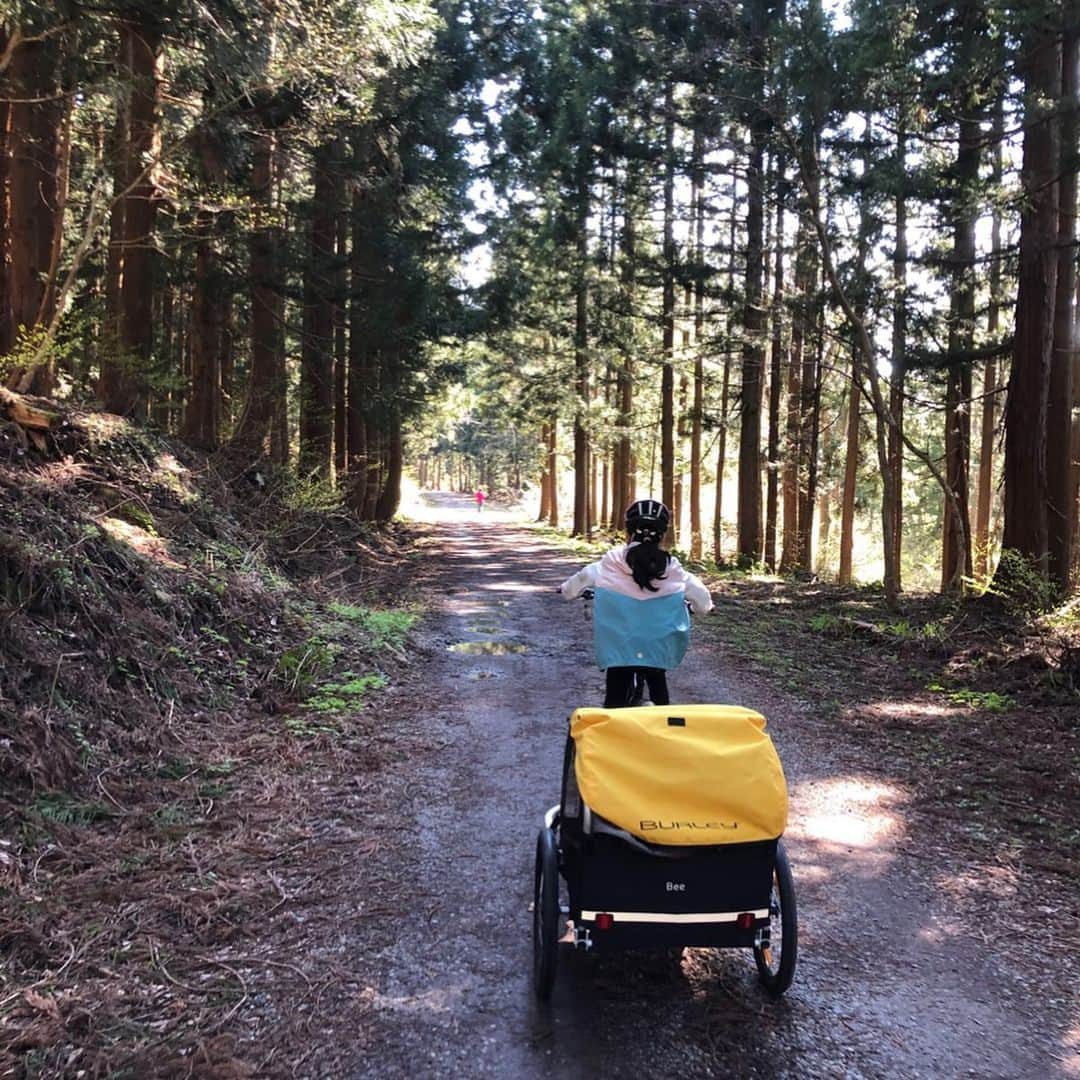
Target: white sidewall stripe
675 917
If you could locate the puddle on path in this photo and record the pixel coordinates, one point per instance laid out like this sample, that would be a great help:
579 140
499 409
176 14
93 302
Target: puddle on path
478 675
487 648
484 628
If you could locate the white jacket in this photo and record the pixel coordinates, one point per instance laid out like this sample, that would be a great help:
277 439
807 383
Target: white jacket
613 572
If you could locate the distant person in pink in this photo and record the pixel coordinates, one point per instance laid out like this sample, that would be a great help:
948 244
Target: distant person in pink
480 498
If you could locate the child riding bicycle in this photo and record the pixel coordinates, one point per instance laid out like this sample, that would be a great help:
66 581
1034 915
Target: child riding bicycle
640 623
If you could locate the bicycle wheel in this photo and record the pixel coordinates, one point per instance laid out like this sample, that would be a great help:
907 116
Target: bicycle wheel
545 914
776 961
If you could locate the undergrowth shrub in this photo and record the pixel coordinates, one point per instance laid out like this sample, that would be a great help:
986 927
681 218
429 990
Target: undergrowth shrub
64 809
339 696
987 700
383 629
300 668
984 700
1022 585
309 493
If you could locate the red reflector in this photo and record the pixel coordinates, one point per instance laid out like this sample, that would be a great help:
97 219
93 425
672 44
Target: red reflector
746 921
604 919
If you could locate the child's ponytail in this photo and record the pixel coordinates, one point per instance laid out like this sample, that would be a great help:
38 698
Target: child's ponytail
648 563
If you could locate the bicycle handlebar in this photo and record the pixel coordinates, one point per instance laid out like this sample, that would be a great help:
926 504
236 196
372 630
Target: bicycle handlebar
590 594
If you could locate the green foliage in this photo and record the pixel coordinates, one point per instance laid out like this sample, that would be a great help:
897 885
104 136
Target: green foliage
987 700
81 740
34 346
984 700
225 767
340 696
177 768
312 493
382 629
299 668
173 815
1022 585
65 809
134 512
904 630
180 768
304 727
1066 617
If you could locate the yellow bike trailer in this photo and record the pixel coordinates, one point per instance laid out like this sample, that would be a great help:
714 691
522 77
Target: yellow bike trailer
667 835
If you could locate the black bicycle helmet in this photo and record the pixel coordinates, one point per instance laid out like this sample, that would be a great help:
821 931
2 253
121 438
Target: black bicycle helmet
647 519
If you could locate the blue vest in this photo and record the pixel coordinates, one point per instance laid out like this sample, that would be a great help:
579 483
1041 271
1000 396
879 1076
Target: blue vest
640 633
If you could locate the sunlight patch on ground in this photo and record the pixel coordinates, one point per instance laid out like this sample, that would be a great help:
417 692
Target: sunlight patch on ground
137 538
910 710
169 473
1071 1044
466 610
104 425
435 1002
846 811
811 872
998 882
515 586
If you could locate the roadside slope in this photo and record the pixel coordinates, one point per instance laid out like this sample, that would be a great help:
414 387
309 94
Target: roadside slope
178 662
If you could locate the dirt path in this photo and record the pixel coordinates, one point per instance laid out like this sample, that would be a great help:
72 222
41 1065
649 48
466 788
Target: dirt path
434 926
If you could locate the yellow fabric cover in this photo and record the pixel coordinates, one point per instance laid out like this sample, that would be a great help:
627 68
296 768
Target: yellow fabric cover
716 779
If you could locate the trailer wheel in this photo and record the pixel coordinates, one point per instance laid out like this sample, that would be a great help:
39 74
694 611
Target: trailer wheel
546 914
776 961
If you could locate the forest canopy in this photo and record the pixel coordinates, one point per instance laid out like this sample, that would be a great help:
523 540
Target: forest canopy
808 274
